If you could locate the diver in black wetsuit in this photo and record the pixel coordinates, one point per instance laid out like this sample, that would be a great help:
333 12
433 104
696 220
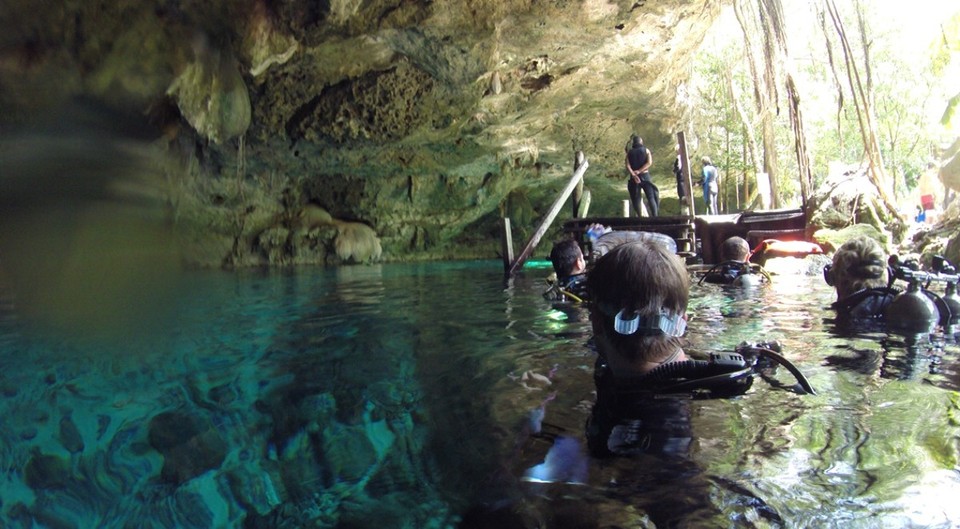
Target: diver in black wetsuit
863 278
570 268
734 267
639 293
860 275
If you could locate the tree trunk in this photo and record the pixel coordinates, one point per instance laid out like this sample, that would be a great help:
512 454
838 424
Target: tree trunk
861 101
774 48
821 16
766 21
751 157
800 141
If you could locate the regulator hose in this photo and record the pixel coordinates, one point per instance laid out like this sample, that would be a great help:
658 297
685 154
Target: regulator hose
782 360
687 375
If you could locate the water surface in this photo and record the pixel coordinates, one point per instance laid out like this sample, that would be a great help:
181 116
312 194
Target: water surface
417 395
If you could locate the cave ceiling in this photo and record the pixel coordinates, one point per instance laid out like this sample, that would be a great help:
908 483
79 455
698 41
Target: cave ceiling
424 119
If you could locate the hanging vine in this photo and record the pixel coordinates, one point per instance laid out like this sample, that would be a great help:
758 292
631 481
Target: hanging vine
765 18
861 102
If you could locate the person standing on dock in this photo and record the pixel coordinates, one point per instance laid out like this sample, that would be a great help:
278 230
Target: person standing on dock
711 185
638 162
678 173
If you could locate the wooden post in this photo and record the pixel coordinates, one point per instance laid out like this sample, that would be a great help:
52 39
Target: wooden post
578 158
688 185
551 214
506 243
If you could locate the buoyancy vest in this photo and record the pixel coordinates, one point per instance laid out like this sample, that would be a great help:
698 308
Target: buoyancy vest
648 408
869 303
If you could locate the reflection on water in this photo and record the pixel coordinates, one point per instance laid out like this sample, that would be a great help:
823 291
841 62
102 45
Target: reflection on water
437 395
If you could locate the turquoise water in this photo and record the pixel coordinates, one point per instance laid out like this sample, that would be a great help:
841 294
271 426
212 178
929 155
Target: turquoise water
430 395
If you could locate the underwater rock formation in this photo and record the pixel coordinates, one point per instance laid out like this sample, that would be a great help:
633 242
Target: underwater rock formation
188 445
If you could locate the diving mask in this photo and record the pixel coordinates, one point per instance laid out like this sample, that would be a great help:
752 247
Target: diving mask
667 323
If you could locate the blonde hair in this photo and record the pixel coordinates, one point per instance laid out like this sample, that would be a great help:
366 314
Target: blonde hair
858 264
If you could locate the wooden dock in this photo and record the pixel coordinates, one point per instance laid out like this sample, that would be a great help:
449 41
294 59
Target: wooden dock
681 228
698 238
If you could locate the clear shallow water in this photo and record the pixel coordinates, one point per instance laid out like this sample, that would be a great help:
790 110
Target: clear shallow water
417 395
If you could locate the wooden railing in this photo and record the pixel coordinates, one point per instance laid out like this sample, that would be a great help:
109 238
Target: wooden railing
512 266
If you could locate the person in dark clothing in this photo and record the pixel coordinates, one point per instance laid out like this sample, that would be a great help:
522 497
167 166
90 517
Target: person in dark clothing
639 293
570 268
863 277
638 162
859 274
678 173
734 267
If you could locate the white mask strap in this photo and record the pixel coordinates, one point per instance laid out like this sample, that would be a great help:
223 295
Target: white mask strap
666 323
624 326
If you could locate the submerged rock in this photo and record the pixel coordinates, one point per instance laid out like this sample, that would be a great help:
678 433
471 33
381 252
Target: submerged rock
190 445
44 471
70 436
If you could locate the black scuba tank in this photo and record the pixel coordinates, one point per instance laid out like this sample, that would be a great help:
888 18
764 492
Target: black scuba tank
912 311
952 301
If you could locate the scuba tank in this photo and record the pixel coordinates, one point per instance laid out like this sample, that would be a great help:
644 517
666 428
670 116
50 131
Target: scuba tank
952 301
949 302
914 310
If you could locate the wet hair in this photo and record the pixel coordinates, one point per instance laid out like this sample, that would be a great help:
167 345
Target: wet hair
564 257
858 264
734 249
641 276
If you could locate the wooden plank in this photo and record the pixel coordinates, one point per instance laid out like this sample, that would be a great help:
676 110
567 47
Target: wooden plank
506 244
548 219
578 158
687 185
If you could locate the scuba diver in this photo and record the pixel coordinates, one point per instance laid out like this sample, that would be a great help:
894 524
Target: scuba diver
863 278
639 293
863 282
570 268
735 267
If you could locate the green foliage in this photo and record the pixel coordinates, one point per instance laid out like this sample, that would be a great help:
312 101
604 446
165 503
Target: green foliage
942 51
725 85
908 90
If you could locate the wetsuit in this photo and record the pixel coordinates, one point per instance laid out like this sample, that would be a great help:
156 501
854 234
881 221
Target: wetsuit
678 173
732 273
869 303
639 416
561 290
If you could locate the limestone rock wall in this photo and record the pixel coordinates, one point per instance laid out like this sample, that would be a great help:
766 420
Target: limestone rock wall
426 121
